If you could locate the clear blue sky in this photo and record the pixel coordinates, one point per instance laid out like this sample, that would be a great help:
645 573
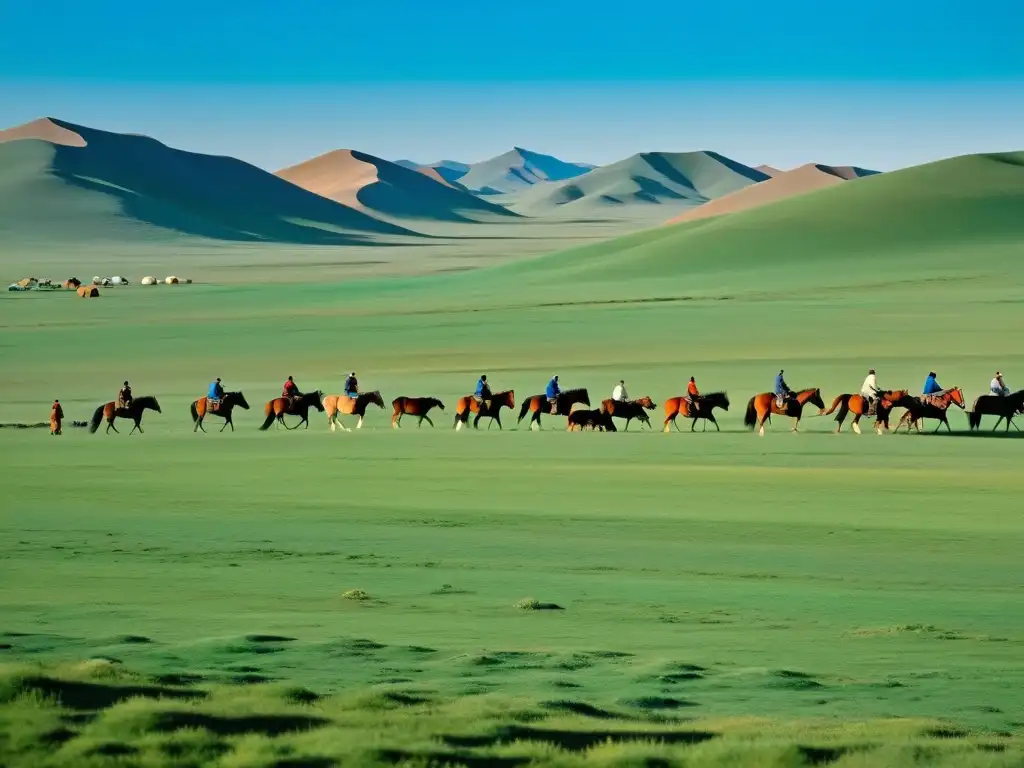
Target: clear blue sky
871 83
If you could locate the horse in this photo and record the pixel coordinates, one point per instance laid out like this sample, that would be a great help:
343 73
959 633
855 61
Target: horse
468 404
680 406
201 407
930 407
762 406
537 404
629 410
858 406
1003 406
343 405
414 406
134 411
596 419
280 407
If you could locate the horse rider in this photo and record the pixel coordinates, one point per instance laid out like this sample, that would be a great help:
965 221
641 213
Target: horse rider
782 390
351 386
869 389
997 386
619 394
482 393
290 391
124 397
931 385
693 394
552 391
214 395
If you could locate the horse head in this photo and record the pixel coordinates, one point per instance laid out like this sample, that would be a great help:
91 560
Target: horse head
509 399
956 395
373 397
437 403
237 398
719 399
646 403
316 399
814 398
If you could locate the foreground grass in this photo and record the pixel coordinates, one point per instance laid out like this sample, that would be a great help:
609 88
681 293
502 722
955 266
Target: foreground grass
95 714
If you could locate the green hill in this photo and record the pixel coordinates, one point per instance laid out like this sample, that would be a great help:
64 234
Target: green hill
516 170
675 180
961 215
119 187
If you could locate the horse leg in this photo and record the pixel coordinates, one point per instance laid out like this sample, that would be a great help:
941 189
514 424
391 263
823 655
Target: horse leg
626 428
359 424
110 426
396 420
535 421
425 416
137 426
713 420
998 421
855 424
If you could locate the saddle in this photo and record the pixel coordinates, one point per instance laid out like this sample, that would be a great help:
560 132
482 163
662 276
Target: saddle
872 407
213 404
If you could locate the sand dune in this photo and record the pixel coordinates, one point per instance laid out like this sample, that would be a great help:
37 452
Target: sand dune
92 184
769 170
806 178
370 183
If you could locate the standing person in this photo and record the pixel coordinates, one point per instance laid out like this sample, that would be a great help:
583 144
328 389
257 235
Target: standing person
693 394
931 385
290 390
482 394
124 397
997 386
56 417
782 390
619 393
869 389
352 386
552 391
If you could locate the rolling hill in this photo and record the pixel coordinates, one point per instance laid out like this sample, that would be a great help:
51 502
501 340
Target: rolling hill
368 183
679 180
449 171
806 178
61 181
516 170
958 217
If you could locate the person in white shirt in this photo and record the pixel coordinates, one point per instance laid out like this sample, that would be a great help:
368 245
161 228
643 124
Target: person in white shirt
869 389
619 393
997 386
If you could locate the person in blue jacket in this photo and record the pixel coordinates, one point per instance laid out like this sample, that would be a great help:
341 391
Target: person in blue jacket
552 392
214 395
782 390
482 394
351 386
931 386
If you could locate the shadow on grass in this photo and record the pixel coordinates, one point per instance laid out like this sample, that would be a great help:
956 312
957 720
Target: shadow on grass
980 435
575 741
268 725
93 696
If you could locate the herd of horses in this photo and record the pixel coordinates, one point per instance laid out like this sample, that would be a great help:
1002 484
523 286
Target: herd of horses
574 404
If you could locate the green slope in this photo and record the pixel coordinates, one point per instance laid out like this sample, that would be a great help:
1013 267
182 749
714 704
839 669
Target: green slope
678 180
133 188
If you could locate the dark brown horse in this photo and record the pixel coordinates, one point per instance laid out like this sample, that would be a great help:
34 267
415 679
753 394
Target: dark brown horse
929 407
538 404
134 411
413 406
629 410
201 408
1003 406
343 405
858 406
280 407
704 409
762 406
468 405
585 419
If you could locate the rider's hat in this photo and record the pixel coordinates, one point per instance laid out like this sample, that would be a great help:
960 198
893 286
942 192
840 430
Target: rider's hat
871 370
126 383
218 378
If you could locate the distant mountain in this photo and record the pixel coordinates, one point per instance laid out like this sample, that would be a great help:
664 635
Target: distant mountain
677 180
806 178
59 181
378 186
516 170
449 171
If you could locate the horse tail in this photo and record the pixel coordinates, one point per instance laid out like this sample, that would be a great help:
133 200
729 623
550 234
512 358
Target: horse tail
97 417
973 419
268 409
750 418
195 413
841 400
524 409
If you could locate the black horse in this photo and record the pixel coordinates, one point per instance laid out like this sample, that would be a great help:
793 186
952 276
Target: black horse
1003 406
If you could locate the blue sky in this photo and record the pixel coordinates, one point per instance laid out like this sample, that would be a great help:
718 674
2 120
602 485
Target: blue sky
872 83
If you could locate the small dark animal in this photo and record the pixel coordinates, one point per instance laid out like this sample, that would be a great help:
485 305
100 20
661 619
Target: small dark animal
587 419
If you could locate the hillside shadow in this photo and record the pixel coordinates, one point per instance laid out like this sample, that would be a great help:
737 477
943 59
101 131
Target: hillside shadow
575 741
94 696
268 725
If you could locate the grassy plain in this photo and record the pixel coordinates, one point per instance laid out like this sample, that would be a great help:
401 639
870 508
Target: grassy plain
791 600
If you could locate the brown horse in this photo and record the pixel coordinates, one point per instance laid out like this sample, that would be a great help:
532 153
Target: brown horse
280 407
629 410
1003 406
343 405
56 417
413 406
762 406
538 404
134 411
201 407
705 409
582 419
468 404
929 407
858 406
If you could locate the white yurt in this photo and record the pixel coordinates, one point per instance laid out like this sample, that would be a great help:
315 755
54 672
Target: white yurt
149 280
97 280
171 280
118 280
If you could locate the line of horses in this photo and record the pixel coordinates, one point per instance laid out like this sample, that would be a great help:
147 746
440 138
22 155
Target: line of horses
760 409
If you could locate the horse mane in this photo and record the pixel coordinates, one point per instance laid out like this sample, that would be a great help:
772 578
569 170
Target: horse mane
573 391
144 400
719 393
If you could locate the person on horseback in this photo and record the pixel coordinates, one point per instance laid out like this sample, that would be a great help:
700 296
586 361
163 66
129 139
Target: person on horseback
619 393
214 394
869 389
290 391
482 393
782 390
124 397
693 394
931 385
351 386
997 386
552 391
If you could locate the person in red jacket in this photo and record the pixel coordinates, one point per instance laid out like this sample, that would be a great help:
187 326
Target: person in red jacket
291 390
693 394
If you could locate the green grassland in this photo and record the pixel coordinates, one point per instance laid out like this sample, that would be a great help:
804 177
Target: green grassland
308 598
